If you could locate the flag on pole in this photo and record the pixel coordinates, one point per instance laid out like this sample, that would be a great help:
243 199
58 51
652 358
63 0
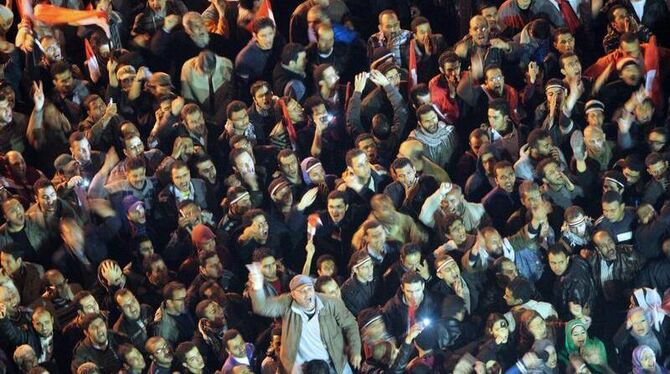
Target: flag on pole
25 8
412 79
653 76
265 10
92 62
290 128
54 15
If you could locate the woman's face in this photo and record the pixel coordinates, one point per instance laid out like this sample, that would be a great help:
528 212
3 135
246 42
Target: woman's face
579 335
500 331
538 328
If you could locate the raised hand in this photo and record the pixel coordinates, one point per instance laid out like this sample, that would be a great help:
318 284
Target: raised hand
360 80
378 78
38 96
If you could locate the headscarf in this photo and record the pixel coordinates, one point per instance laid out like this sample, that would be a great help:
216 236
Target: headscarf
570 345
637 361
538 347
599 347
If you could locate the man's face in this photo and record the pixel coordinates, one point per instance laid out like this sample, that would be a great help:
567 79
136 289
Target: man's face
134 147
193 360
129 306
406 176
375 237
195 123
384 211
477 142
207 171
96 109
457 232
449 273
452 71
524 4
644 112
621 17
265 38
639 324
301 61
326 40
365 272
632 176
137 177
505 178
97 332
413 293
594 141
389 26
14 213
491 15
135 360
178 301
261 228
263 98
64 83
331 289
10 264
81 151
52 50
269 268
495 82
497 120
572 68
553 175
658 170
337 209
493 243
330 78
656 141
631 74
6 115
146 248
198 32
181 178
161 352
509 298
157 5
453 202
564 43
47 199
479 31
245 164
240 120
43 323
422 33
578 229
558 263
89 305
295 111
509 270
158 273
393 76
305 296
429 122
10 299
212 268
289 166
531 199
631 49
369 147
360 167
595 118
613 211
215 313
327 267
605 245
236 347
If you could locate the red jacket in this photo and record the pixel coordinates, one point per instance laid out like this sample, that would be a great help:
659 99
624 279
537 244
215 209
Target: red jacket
439 92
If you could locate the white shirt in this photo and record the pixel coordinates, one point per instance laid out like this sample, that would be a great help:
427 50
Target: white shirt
310 345
638 5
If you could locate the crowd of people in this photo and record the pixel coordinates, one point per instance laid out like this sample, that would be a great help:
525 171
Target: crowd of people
334 186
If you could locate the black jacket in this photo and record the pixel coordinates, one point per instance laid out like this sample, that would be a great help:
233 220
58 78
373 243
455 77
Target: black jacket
396 314
358 296
412 203
575 283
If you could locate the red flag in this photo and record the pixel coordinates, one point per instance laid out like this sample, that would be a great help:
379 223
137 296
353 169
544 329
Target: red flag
653 76
265 10
412 80
92 62
292 134
54 15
